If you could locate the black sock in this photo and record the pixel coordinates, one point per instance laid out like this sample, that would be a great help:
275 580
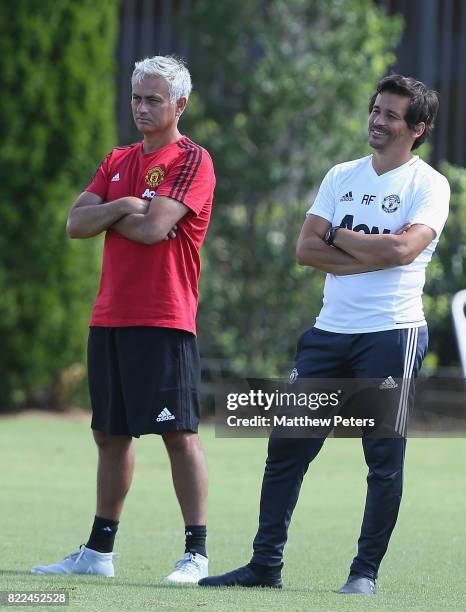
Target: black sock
195 539
102 535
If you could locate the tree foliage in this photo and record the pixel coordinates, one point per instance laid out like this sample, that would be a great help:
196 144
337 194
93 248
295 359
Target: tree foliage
57 98
446 274
283 88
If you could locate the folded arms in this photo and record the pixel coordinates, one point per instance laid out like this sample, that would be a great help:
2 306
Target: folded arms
357 252
135 218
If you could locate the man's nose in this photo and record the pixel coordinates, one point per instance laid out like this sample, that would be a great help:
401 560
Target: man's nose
142 106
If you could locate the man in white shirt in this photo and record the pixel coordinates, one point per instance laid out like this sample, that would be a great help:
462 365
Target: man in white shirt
373 228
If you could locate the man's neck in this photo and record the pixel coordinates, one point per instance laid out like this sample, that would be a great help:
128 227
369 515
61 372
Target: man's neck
384 162
152 142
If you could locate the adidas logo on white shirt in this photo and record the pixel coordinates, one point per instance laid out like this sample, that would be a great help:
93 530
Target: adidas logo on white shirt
116 178
165 415
348 197
388 383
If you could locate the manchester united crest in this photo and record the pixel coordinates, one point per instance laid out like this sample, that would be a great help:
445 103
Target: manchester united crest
155 176
391 203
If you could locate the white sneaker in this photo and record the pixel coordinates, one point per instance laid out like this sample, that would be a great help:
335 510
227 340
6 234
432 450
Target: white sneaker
189 570
82 561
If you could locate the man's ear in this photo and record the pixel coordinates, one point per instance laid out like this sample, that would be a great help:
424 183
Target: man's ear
180 105
419 129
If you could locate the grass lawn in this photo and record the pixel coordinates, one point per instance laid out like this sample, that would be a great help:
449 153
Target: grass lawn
47 497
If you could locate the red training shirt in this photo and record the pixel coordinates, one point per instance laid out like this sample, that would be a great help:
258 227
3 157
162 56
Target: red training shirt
154 285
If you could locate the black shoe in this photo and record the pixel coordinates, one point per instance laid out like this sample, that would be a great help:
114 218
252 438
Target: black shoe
358 585
244 577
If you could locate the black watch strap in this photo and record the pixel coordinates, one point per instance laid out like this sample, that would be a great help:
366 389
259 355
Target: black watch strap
330 235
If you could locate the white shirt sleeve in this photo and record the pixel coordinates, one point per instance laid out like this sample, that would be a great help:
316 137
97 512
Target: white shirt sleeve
430 206
324 204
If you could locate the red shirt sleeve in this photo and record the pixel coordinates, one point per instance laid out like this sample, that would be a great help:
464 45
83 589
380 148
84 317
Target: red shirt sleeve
99 183
190 179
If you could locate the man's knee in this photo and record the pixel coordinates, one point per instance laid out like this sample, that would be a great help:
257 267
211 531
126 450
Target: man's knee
384 455
295 449
181 441
107 441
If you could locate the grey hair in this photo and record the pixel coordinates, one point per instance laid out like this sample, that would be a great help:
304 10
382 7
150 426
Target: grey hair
171 68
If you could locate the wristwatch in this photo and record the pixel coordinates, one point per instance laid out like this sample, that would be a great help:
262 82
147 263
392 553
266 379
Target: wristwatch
330 235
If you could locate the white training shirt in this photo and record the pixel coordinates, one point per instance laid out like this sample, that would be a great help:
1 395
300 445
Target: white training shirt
352 195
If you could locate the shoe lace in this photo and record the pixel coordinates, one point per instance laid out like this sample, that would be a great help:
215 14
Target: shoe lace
188 564
77 554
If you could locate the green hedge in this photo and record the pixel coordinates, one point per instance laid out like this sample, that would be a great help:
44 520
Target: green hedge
57 96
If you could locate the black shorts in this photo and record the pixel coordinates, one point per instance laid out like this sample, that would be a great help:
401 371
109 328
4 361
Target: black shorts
143 380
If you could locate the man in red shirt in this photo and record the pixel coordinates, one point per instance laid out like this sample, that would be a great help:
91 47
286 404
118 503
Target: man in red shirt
153 199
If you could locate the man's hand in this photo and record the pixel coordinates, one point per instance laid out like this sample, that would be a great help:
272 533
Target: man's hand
171 233
137 206
156 225
403 229
142 207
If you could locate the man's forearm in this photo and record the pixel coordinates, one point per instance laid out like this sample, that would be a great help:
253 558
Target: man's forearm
315 253
138 228
88 221
382 251
131 226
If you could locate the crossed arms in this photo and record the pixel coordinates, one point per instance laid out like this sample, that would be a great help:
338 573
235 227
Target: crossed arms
151 222
355 252
135 218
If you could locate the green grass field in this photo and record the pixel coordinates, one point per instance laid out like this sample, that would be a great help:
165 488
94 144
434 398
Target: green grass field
47 498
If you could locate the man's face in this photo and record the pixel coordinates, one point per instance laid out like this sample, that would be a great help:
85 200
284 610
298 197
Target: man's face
387 127
150 102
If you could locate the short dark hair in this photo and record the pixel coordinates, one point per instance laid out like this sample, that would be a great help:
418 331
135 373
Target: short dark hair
423 105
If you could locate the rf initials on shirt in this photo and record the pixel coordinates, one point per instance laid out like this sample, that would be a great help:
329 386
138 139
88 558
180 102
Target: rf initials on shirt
347 223
367 198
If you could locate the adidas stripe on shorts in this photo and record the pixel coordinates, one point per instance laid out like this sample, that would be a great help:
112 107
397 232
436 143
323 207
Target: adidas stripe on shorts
395 354
143 380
